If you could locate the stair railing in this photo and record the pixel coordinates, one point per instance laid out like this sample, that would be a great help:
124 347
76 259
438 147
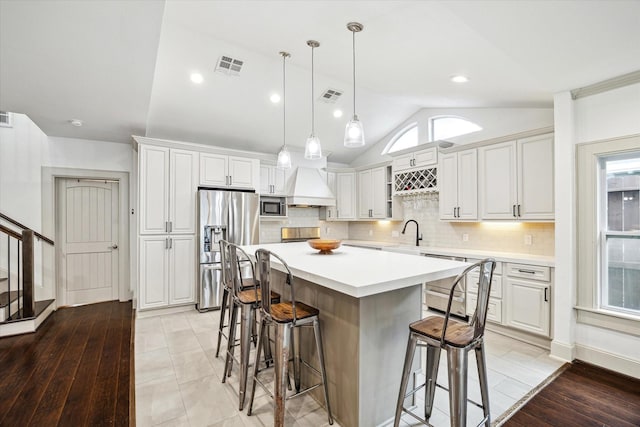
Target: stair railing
25 266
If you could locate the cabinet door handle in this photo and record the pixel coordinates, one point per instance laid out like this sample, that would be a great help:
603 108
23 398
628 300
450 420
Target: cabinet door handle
170 242
526 271
514 210
170 226
546 299
166 226
458 211
166 243
519 210
454 212
230 180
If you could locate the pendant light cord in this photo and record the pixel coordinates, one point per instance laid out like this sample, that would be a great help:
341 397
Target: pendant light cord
313 110
284 101
354 72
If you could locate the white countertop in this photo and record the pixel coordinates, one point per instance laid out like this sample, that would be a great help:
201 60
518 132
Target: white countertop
541 260
359 272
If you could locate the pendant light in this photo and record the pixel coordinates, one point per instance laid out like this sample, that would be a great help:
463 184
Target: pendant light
354 133
284 157
312 148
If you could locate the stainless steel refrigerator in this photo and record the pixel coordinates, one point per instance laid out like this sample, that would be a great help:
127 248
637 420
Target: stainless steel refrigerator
228 215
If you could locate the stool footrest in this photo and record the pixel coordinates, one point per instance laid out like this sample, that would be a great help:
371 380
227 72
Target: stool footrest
479 405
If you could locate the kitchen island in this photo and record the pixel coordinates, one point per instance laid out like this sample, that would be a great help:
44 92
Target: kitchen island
366 298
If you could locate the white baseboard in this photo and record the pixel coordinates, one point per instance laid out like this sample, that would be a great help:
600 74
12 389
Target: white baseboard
162 311
608 360
562 351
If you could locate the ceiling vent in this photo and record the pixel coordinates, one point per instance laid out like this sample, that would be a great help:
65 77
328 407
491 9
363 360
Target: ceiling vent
330 96
228 65
6 119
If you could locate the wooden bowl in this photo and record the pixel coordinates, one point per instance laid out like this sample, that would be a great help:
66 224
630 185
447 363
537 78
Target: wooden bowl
325 246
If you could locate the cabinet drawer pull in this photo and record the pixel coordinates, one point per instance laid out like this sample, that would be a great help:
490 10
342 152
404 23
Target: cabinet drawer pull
526 271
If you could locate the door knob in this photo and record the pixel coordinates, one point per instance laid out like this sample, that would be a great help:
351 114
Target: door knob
114 246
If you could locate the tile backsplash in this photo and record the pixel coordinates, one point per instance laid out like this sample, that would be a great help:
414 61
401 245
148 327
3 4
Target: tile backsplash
502 236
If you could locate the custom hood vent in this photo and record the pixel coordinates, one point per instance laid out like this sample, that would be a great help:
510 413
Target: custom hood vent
308 188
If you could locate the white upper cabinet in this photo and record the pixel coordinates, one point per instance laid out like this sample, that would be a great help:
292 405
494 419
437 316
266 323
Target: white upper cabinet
516 179
272 180
372 193
416 160
458 183
168 185
217 170
346 195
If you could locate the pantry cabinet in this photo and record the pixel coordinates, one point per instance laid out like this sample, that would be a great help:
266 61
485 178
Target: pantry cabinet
166 271
167 190
458 185
218 170
516 179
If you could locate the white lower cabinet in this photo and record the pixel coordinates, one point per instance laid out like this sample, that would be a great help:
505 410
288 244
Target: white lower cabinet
494 310
528 301
167 271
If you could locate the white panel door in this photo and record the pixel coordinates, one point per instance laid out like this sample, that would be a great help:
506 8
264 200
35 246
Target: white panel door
346 201
183 185
154 271
468 185
279 181
379 192
448 186
89 251
241 172
527 305
213 170
535 178
425 157
364 194
498 181
182 269
330 211
154 189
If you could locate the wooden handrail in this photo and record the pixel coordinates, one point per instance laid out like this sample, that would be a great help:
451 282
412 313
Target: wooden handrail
10 232
17 224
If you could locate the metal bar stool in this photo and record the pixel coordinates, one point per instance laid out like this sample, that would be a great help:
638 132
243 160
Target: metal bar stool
287 317
247 301
227 302
457 339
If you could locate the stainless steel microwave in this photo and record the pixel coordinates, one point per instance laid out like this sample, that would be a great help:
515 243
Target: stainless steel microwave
273 206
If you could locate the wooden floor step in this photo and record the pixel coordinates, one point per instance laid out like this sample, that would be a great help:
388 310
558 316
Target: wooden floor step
40 307
6 298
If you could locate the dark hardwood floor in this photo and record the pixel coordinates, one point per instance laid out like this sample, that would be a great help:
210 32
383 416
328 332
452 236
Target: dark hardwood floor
75 370
583 395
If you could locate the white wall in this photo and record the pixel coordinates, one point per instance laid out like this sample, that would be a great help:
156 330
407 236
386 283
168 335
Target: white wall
495 122
88 154
607 115
23 149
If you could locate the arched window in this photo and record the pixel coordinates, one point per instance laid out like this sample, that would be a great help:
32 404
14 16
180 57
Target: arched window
406 138
443 127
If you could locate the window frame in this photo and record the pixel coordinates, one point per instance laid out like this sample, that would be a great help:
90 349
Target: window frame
590 242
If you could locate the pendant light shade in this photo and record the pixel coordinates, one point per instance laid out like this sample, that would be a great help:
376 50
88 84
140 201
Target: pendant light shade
312 148
354 132
284 157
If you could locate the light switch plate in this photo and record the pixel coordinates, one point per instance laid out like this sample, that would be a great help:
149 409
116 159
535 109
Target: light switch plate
465 237
527 239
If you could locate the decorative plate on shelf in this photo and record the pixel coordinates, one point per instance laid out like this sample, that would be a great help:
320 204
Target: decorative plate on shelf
325 246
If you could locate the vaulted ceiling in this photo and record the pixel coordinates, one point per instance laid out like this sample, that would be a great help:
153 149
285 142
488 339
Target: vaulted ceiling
123 67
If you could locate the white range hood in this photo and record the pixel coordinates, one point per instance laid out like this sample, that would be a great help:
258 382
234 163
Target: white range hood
307 187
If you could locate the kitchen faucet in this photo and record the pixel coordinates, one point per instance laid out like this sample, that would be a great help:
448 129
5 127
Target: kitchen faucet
418 235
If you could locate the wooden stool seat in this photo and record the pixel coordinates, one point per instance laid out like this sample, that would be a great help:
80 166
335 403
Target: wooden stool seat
283 312
248 296
459 334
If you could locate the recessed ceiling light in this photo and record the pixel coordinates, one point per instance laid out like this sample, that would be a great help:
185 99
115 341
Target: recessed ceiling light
459 78
197 78
275 98
76 122
337 113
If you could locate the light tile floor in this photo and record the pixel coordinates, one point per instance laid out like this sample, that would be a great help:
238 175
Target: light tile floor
178 379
